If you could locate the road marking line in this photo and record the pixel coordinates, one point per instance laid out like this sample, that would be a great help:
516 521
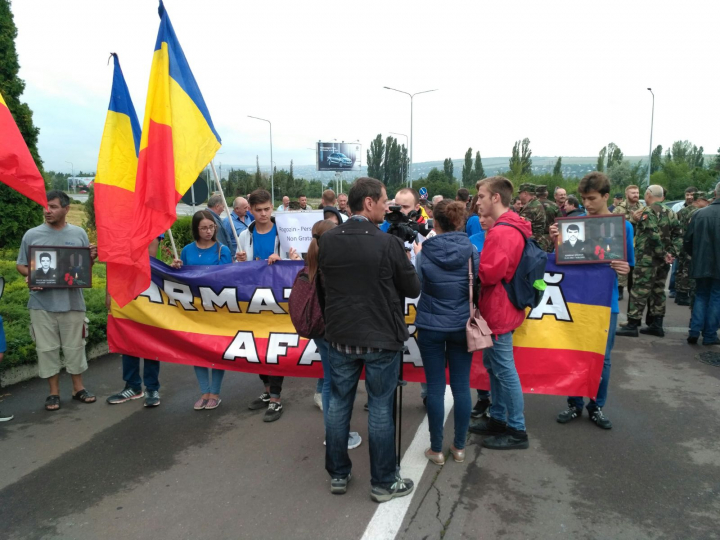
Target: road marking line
389 516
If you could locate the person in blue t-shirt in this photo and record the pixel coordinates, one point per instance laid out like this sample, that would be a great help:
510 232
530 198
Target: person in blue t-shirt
205 251
472 225
594 189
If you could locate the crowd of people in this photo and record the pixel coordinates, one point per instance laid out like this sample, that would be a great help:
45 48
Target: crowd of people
475 246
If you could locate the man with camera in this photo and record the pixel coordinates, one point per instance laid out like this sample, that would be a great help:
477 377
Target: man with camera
371 271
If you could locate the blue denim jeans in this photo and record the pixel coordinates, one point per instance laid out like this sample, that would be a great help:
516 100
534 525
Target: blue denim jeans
602 392
434 347
705 316
131 373
507 403
319 385
381 377
203 377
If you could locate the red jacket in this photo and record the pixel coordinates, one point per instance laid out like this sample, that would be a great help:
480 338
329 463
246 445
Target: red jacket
499 260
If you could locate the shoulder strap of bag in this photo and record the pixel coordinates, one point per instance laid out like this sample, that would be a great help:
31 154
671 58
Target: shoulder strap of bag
470 279
514 227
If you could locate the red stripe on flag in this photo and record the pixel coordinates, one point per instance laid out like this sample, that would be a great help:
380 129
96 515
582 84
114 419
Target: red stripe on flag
542 371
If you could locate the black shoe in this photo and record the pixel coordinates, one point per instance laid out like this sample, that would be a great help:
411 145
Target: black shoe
425 402
692 340
400 488
487 425
649 319
569 414
682 299
338 486
708 343
152 398
630 329
274 411
480 407
260 402
620 292
510 440
599 419
126 394
654 329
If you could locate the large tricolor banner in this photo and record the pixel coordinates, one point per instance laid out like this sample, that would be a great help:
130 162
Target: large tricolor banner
235 317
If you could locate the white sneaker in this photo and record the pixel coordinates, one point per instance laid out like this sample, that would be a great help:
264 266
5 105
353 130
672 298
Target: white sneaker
5 417
318 400
354 440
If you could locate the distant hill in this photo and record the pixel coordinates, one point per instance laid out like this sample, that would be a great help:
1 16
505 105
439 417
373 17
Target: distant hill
571 167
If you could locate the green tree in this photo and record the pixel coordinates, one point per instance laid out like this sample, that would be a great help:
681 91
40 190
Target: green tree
258 176
557 170
449 169
291 174
614 155
623 174
392 166
467 169
656 158
404 163
20 213
715 164
375 157
601 159
521 159
479 171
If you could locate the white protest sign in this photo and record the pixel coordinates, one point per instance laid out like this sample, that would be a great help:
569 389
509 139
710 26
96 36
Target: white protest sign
295 229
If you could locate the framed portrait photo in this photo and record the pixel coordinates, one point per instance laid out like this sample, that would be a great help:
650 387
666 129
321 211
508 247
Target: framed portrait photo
60 267
591 239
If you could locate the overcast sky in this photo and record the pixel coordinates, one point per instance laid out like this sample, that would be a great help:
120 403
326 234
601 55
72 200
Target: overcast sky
572 76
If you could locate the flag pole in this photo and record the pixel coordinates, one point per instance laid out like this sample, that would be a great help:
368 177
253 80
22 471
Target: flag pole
172 243
227 209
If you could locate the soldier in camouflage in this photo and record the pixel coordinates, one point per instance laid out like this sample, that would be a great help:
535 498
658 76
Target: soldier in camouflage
552 211
683 284
534 212
657 243
630 208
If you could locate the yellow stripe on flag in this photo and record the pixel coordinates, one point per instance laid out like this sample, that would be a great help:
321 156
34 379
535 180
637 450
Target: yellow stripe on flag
117 162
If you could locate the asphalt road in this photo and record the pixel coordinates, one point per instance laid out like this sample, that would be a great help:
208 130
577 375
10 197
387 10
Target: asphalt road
101 471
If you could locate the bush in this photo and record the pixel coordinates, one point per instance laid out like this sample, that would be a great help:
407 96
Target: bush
182 233
19 215
13 308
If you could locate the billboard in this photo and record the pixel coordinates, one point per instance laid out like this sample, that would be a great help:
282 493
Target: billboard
335 156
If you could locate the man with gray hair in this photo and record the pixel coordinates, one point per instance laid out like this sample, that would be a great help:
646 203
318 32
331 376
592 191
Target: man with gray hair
216 207
702 240
436 199
240 218
656 246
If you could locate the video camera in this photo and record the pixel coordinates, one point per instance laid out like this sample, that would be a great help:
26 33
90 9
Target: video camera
406 227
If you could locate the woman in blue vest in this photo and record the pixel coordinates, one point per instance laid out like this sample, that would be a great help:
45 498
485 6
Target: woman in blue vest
442 313
205 251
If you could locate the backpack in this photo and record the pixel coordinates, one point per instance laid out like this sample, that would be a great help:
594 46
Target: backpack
526 288
304 307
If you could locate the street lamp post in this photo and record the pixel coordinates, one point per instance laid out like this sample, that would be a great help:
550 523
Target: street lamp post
411 123
272 176
652 119
72 168
406 144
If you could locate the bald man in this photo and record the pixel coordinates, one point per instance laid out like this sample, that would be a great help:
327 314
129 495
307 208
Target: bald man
241 220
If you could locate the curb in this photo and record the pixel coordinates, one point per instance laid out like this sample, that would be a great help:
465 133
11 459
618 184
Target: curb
25 372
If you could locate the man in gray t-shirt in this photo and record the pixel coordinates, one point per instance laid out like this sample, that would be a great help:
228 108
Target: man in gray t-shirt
57 316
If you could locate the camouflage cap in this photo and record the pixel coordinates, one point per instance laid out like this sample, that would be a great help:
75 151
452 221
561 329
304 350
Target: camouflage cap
541 190
701 195
530 188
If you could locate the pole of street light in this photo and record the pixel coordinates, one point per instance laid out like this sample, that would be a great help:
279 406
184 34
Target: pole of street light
406 145
72 168
411 124
652 120
272 176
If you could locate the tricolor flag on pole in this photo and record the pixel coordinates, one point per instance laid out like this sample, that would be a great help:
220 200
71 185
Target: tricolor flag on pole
178 141
17 167
115 186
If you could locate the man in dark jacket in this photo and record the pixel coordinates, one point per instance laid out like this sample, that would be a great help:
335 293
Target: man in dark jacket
499 261
366 277
702 240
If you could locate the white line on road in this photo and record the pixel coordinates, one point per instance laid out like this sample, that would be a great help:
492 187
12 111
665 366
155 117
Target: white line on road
389 516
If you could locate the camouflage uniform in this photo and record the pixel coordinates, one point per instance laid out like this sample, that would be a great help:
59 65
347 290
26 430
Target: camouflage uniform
657 234
627 210
534 212
552 211
683 284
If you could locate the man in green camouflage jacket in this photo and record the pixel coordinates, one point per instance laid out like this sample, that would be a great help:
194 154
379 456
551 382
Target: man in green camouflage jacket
534 212
683 284
657 243
630 208
552 211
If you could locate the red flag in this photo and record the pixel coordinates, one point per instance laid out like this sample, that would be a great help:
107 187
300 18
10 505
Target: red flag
17 167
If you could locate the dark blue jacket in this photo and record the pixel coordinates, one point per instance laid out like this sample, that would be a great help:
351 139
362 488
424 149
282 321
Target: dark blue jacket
442 266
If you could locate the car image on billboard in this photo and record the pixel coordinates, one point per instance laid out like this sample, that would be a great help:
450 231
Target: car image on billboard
339 156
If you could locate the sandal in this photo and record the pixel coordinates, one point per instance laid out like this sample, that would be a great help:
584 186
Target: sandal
52 403
200 404
84 396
